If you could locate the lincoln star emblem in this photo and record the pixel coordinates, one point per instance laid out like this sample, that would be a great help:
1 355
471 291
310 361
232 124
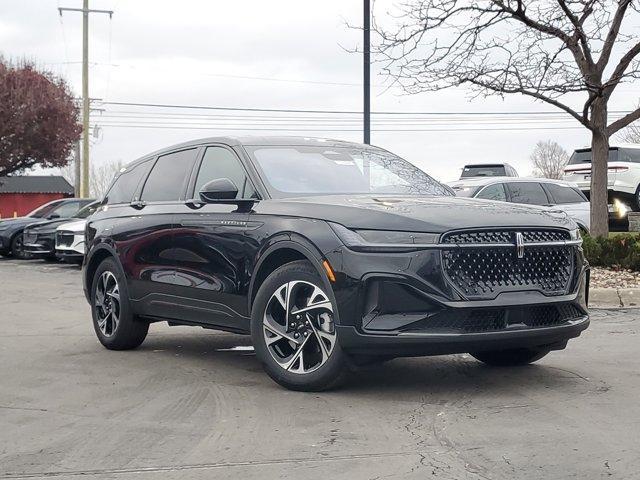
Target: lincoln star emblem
519 245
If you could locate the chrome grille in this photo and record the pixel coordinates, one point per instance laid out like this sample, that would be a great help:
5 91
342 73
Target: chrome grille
64 239
29 237
483 264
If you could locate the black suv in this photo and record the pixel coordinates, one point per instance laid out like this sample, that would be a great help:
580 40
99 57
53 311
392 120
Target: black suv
328 254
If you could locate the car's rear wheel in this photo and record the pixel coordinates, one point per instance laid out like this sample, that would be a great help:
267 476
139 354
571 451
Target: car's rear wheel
293 330
115 324
636 200
511 357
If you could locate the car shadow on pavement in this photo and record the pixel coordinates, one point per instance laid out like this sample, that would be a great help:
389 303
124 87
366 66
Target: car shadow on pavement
228 358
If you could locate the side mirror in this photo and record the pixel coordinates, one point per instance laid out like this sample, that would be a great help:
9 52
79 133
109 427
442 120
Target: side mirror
53 216
217 190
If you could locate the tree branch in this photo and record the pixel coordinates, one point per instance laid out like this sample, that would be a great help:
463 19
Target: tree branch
624 121
614 30
618 72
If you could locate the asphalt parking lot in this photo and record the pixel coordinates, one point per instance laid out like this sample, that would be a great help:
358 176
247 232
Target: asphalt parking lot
190 404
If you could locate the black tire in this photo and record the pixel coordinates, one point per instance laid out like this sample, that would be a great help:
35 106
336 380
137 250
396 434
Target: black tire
17 250
636 201
510 358
331 369
129 331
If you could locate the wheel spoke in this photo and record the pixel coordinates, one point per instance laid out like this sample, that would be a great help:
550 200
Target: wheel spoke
323 347
326 305
299 354
278 330
102 324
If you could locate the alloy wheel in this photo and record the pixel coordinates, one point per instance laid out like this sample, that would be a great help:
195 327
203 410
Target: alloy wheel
298 327
107 303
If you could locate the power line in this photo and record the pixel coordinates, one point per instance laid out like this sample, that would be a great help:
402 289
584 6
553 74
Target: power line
252 129
339 112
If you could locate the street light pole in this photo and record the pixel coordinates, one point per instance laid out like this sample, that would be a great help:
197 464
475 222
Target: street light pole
367 71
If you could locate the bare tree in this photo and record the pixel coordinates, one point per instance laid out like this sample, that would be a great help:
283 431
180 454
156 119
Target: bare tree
549 159
554 51
101 177
631 134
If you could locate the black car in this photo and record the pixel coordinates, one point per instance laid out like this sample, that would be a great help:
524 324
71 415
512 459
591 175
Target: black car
328 254
39 239
11 229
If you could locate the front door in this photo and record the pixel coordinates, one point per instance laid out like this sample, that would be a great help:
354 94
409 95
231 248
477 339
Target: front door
212 248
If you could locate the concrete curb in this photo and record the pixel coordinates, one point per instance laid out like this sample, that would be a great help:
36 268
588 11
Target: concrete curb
614 297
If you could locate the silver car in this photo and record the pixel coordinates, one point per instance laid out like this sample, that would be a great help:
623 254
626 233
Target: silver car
543 192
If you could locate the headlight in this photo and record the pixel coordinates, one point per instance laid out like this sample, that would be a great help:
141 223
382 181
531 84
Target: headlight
575 234
378 240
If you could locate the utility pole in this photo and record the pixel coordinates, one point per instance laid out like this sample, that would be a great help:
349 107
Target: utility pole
77 170
367 71
84 183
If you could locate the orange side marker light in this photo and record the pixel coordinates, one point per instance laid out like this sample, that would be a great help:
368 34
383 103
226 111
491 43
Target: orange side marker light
330 274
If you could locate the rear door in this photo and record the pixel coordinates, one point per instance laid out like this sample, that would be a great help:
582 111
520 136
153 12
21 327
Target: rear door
210 240
529 193
146 246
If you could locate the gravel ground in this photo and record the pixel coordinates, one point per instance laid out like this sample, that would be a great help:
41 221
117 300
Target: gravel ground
610 278
189 405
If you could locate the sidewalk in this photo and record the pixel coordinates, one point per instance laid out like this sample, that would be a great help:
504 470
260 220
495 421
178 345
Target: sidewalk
614 297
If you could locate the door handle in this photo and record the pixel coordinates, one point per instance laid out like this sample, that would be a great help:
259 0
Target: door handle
138 204
194 203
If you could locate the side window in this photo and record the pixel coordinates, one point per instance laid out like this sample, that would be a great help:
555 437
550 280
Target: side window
125 184
493 192
564 194
165 182
531 193
218 162
66 210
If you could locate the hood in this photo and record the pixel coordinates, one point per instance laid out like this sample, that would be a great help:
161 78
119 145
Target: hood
419 214
19 222
76 226
47 225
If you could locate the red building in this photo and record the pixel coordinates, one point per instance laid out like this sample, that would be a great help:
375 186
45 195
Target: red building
20 195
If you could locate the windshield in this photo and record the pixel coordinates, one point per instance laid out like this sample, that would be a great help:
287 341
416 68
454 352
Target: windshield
616 154
317 170
88 210
584 156
44 210
483 171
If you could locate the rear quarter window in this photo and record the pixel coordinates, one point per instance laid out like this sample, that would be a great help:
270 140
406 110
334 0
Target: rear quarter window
564 194
126 184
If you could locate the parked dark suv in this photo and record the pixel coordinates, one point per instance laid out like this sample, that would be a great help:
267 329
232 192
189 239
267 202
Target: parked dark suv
328 254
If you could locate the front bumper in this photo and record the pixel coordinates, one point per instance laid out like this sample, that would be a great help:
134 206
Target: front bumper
416 344
424 315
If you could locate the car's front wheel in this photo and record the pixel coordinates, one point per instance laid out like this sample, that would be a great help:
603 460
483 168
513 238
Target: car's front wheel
17 247
511 357
115 324
293 330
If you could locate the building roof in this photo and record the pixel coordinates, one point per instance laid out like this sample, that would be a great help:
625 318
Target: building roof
35 184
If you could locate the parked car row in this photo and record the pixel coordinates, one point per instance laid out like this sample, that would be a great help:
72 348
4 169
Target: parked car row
45 232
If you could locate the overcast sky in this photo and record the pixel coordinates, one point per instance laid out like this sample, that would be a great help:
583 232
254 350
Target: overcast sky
284 54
